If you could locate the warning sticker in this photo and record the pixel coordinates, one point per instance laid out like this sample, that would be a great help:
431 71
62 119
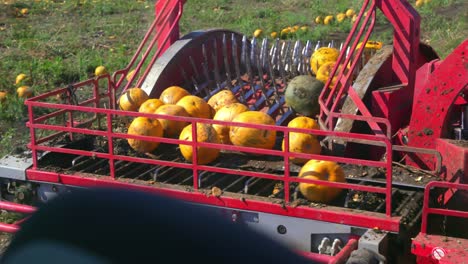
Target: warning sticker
438 253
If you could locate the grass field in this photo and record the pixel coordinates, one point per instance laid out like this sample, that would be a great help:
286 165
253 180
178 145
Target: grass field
57 42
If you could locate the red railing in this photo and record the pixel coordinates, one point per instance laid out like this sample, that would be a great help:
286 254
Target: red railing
18 208
439 211
96 106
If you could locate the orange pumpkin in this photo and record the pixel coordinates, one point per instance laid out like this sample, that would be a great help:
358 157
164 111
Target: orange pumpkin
144 126
195 106
205 133
172 128
3 96
173 94
24 92
252 137
227 113
132 99
303 122
301 142
321 170
150 105
222 98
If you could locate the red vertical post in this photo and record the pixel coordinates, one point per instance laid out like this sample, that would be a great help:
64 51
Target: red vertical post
173 34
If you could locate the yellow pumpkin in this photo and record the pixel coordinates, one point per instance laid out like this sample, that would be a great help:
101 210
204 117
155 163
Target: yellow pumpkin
132 99
100 70
324 73
130 75
3 96
143 126
172 128
328 20
285 33
322 56
227 113
300 142
318 20
222 98
24 91
274 34
258 33
205 133
195 106
20 77
369 49
253 137
320 170
150 105
340 17
350 13
173 94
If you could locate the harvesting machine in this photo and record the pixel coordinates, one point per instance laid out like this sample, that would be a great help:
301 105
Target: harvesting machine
398 126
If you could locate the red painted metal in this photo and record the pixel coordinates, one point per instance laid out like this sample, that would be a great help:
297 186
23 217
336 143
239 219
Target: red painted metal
455 155
15 207
9 228
434 99
438 248
18 208
330 214
406 59
341 257
433 249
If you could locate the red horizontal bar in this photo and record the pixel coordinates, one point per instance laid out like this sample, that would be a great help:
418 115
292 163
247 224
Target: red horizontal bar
15 207
203 144
447 212
293 179
8 228
210 121
330 214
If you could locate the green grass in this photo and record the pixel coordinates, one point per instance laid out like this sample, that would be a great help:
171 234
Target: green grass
62 41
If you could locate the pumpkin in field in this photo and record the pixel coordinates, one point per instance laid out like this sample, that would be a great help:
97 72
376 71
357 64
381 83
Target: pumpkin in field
205 133
322 56
173 94
132 99
150 105
340 17
301 142
3 96
370 49
325 71
222 98
172 128
302 95
195 106
227 113
253 137
143 126
320 170
24 91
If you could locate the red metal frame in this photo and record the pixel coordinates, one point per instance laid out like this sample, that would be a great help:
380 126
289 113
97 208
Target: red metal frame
436 248
168 18
18 208
342 216
162 33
